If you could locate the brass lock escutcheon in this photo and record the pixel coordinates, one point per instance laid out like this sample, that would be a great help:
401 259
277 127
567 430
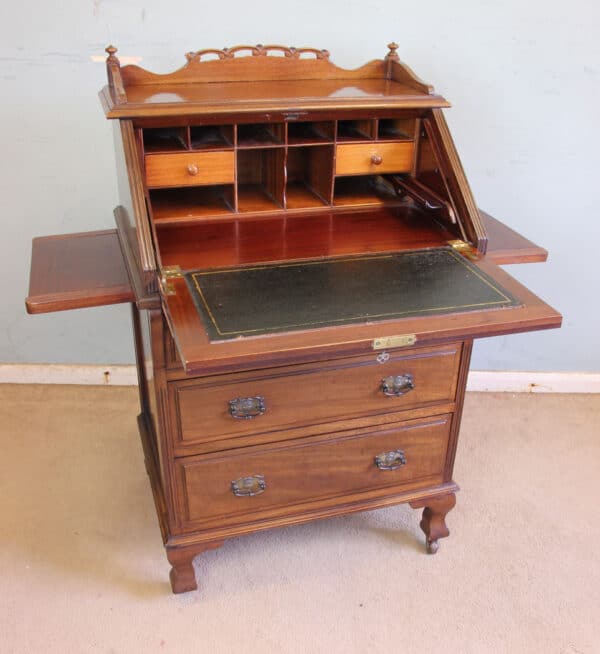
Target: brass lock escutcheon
396 385
390 460
247 407
248 486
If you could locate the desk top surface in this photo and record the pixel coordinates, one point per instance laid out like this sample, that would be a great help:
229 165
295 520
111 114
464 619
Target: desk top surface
269 298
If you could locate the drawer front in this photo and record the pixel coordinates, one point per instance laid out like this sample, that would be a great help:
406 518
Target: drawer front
189 169
310 394
373 158
254 483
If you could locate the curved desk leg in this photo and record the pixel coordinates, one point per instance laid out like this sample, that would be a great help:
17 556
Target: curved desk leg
433 521
182 575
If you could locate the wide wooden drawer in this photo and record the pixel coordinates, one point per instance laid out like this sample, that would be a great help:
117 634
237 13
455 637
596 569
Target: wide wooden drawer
373 158
294 397
253 483
189 169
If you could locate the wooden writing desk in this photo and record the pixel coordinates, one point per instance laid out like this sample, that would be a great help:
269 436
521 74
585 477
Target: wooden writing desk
260 188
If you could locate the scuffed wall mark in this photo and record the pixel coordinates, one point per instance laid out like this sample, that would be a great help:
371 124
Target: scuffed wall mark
96 5
143 14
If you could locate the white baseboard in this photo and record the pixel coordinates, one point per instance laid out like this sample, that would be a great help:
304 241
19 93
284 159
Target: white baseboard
125 375
533 382
51 373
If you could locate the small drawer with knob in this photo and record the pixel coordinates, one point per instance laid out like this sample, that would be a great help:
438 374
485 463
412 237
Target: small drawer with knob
374 158
216 412
190 169
253 483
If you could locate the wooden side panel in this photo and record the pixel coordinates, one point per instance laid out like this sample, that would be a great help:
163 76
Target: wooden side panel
455 178
159 405
141 282
457 416
131 193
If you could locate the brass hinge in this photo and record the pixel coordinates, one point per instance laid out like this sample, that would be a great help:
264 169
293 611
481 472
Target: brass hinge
167 274
464 248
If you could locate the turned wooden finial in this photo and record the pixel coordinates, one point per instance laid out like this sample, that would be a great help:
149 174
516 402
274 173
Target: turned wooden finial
111 52
390 58
113 71
392 54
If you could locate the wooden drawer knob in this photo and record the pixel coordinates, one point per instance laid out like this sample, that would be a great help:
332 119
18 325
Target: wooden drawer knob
376 159
193 169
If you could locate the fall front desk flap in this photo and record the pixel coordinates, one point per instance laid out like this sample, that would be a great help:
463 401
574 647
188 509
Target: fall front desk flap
271 298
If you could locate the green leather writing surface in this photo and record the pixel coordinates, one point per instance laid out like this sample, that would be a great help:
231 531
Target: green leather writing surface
270 298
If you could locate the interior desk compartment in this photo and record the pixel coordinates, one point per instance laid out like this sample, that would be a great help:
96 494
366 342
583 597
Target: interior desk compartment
260 179
309 176
310 132
211 137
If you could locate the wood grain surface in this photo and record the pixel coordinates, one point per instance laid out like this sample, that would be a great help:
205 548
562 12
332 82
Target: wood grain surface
330 470
199 355
73 271
373 158
309 394
189 169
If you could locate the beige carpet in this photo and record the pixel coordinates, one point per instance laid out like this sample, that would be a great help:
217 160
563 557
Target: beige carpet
83 570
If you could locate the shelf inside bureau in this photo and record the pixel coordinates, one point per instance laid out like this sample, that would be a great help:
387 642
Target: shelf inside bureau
363 190
175 205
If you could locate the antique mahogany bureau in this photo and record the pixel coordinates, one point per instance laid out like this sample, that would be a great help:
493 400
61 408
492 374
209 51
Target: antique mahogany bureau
307 270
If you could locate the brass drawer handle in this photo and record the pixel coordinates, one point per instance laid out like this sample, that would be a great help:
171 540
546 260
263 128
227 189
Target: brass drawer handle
396 385
248 486
390 460
246 408
376 159
193 169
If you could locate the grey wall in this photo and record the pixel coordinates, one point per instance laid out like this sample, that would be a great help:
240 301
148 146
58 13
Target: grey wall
523 78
